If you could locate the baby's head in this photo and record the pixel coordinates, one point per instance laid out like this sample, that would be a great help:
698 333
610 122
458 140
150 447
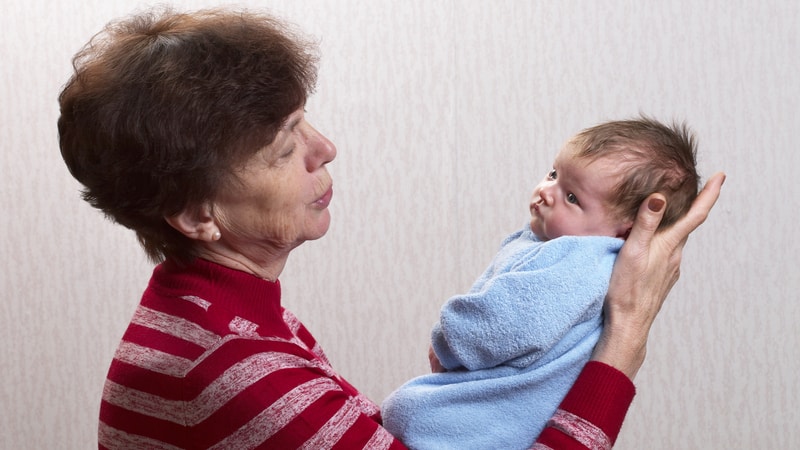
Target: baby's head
603 174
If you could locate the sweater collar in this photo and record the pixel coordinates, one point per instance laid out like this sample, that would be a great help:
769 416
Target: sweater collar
241 293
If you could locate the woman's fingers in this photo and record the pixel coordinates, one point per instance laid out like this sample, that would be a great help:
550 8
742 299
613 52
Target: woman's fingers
679 232
647 267
651 211
645 249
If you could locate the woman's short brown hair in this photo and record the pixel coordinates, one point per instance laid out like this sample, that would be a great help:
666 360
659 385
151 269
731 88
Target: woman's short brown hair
163 106
653 157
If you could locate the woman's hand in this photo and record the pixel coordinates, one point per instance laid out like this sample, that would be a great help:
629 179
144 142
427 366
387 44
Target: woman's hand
436 366
647 267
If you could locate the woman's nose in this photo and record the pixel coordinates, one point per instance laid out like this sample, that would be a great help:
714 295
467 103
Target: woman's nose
325 148
320 147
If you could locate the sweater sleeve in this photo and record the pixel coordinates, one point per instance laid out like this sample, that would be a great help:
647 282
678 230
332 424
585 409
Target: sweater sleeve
591 414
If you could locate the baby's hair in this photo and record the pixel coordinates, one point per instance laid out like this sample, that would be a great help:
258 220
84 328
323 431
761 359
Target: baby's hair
653 158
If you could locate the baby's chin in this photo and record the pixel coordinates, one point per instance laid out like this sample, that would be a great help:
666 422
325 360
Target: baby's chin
537 231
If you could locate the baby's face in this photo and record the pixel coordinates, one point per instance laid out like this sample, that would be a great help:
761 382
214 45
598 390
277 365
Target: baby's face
572 200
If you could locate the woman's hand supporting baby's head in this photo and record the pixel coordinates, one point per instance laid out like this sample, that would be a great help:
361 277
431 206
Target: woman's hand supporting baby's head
647 267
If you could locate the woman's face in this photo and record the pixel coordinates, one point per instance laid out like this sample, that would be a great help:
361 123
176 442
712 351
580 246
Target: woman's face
282 194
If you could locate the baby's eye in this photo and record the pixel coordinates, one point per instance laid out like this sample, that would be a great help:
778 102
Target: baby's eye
552 175
572 199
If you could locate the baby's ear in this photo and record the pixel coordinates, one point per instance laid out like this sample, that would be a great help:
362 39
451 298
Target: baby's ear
625 230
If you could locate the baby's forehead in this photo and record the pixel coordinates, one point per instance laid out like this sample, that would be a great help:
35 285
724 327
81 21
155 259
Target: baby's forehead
600 174
610 162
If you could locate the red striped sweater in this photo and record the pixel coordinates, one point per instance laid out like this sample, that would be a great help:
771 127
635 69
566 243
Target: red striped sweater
212 360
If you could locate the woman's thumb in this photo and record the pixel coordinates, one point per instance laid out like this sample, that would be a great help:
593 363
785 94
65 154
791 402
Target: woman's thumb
648 218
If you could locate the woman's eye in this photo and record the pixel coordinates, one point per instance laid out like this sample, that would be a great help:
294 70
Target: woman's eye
552 175
572 199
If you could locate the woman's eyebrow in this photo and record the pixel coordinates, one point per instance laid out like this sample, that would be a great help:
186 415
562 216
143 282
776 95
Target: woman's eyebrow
292 121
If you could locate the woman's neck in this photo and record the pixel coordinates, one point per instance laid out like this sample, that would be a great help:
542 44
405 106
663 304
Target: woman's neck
267 267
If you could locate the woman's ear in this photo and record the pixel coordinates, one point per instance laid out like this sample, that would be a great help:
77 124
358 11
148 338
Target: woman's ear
196 223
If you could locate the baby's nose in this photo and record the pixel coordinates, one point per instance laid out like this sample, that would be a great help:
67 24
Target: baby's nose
546 194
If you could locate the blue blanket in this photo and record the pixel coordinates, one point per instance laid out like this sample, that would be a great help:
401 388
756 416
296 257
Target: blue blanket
513 346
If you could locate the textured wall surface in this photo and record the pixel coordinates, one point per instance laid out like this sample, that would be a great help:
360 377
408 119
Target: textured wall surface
445 114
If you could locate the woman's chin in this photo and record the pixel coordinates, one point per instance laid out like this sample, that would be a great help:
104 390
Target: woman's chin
322 228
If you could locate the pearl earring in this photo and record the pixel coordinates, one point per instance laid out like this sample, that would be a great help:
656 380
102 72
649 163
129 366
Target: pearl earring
216 236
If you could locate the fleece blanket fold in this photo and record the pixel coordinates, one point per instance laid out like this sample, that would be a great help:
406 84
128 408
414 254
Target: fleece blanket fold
513 346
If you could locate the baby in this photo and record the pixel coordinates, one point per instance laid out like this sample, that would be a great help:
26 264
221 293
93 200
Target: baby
507 352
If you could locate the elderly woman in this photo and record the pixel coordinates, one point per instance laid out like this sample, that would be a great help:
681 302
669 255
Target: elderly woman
189 129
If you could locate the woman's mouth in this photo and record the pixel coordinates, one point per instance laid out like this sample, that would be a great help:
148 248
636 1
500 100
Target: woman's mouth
325 200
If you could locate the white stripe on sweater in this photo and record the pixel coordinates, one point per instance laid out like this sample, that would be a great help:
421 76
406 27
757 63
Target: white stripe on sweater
197 301
381 440
278 415
174 326
234 380
114 439
580 429
330 433
153 360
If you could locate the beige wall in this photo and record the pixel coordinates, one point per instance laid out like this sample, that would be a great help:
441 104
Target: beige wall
445 113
